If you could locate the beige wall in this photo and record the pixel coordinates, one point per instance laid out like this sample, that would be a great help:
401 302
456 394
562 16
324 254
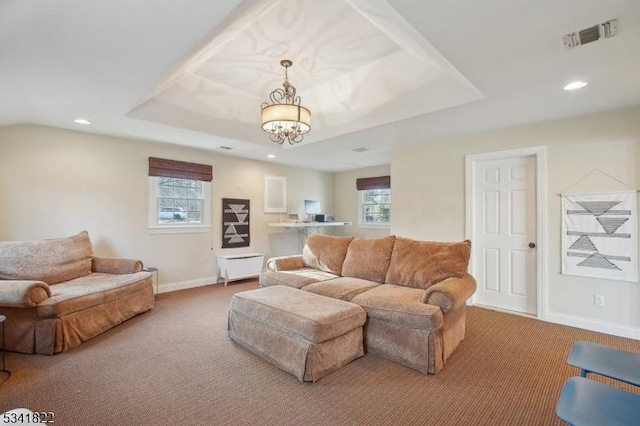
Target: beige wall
428 187
56 182
347 201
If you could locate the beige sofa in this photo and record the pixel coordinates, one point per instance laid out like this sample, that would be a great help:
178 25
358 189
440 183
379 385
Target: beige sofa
56 294
414 292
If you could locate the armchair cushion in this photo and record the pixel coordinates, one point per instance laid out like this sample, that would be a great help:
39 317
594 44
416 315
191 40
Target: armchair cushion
51 261
89 291
421 264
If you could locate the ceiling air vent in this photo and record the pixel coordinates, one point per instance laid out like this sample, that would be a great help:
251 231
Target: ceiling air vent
606 29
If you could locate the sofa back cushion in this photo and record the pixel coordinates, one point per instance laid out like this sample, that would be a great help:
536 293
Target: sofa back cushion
368 258
421 264
51 261
325 252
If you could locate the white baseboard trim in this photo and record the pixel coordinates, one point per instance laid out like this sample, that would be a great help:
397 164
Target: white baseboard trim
593 325
181 285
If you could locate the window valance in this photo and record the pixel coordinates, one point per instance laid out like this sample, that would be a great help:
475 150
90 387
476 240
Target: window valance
380 182
180 169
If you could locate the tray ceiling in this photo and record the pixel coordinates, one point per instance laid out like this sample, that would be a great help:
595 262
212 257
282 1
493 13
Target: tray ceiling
356 65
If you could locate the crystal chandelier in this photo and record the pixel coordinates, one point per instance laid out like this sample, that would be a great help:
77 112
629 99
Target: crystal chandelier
284 118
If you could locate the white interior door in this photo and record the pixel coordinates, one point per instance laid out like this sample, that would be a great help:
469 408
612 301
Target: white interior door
505 231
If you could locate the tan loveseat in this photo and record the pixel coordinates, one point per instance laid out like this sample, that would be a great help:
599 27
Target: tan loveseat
56 294
414 292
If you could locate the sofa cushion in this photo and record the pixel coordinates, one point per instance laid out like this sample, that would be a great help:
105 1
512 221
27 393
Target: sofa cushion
368 258
420 264
51 261
401 306
297 278
343 288
325 252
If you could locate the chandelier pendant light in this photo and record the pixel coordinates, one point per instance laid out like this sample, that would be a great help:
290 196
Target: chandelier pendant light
284 119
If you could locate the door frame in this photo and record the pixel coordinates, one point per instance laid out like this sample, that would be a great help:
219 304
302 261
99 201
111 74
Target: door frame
540 155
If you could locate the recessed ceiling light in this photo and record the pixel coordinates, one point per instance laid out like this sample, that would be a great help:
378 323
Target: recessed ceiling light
82 121
271 156
575 85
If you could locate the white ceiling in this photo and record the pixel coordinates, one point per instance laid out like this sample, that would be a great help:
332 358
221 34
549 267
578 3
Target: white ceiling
375 74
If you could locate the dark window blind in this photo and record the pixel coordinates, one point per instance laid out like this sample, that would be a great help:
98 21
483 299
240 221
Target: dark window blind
380 182
180 169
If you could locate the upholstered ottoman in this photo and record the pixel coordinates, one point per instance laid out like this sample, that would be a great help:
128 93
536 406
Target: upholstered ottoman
305 334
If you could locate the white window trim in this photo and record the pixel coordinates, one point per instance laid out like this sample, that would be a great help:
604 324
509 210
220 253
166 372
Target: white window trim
154 228
368 225
374 225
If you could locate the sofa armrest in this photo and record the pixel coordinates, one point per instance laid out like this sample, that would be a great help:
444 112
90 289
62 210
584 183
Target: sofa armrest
285 263
23 293
116 265
451 293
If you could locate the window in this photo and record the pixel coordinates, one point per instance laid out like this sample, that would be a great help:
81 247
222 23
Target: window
375 206
179 201
375 201
179 196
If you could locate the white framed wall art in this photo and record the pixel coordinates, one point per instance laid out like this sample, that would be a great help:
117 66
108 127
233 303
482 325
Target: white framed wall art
275 194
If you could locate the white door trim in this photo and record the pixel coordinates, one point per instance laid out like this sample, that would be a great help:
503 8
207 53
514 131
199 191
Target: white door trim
540 153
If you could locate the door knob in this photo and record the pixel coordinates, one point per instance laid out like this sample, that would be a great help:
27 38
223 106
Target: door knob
532 245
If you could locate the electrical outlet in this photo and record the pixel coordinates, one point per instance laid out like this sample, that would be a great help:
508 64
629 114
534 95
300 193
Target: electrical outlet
598 300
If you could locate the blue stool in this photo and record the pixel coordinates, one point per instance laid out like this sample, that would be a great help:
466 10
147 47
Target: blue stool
606 361
585 402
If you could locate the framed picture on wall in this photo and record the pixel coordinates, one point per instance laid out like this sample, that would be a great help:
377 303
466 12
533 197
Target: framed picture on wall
275 194
235 223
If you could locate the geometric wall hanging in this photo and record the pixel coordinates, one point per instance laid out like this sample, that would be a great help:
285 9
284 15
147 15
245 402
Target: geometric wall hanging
600 235
235 223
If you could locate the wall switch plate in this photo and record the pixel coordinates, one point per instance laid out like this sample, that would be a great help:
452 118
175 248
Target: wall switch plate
598 300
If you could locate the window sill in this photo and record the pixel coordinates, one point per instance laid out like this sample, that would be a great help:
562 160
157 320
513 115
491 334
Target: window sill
374 225
179 229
